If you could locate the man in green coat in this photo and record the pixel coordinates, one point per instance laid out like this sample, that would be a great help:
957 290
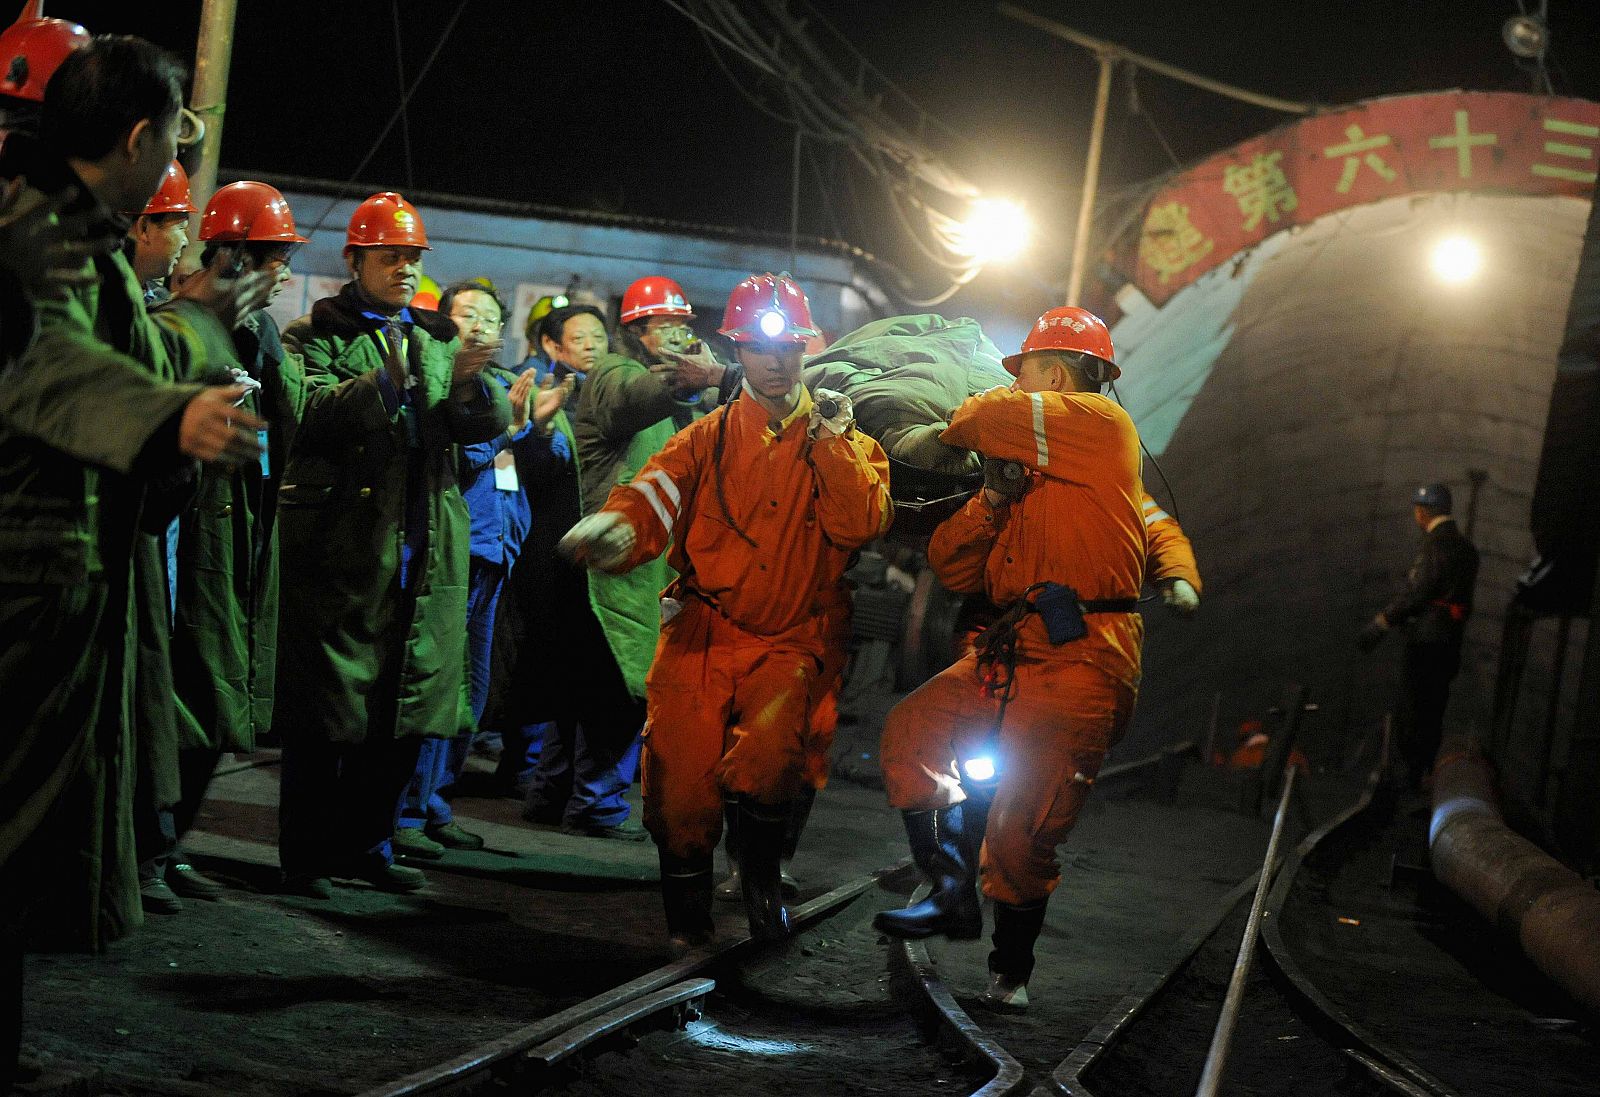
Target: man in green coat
374 548
225 620
90 420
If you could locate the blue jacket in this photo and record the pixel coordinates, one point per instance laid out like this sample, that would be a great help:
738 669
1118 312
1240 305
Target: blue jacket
500 518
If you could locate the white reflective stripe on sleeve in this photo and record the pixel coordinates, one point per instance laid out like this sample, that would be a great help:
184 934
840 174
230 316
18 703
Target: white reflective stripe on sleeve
1040 443
660 476
1149 504
1155 516
646 489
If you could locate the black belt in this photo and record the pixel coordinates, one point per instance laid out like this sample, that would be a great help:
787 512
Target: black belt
1110 605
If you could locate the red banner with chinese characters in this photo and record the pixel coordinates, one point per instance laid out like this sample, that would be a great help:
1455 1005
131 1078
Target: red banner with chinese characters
1449 141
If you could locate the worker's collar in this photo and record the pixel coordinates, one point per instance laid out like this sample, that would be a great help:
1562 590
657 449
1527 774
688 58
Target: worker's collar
1438 518
802 407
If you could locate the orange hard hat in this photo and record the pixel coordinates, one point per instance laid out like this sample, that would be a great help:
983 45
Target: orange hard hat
249 211
1072 329
385 220
768 308
31 50
654 296
172 196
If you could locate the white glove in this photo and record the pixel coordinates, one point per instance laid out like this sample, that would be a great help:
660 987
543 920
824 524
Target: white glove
830 426
1180 597
240 377
603 541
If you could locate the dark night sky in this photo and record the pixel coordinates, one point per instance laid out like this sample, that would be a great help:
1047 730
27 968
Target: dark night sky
618 106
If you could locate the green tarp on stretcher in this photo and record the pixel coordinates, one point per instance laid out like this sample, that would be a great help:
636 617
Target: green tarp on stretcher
905 375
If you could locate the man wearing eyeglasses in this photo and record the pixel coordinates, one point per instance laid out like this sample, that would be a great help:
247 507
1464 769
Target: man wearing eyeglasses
498 506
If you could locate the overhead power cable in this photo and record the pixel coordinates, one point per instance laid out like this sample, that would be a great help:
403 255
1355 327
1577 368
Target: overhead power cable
1103 47
405 100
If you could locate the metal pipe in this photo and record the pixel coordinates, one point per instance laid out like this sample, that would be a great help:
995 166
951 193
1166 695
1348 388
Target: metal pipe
1222 1038
213 58
794 206
1091 178
1550 910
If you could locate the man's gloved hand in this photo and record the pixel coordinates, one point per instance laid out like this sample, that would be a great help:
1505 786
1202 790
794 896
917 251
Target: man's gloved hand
602 541
1007 479
1180 597
1371 636
824 424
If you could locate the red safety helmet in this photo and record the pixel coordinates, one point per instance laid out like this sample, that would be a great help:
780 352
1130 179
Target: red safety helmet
386 220
251 212
1072 329
654 296
172 196
768 308
31 50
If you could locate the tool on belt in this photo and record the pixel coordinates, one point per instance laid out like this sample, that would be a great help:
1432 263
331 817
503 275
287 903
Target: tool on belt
1062 612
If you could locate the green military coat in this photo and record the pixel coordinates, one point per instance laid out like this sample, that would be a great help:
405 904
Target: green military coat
624 414
225 628
88 424
356 655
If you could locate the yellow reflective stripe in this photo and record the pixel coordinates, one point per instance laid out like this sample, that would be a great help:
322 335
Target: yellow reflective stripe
1041 444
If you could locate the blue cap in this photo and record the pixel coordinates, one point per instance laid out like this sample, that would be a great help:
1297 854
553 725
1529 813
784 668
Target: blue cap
1434 497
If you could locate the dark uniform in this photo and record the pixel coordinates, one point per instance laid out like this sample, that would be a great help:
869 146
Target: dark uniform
1433 611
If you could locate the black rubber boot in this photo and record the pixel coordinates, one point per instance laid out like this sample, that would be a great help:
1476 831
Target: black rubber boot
1016 928
760 844
686 896
795 825
940 847
731 890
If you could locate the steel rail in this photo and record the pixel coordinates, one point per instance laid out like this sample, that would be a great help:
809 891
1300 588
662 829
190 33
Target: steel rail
1383 1061
1222 1038
1008 1074
497 1054
685 999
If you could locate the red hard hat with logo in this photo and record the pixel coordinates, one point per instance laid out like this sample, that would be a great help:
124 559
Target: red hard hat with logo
654 296
31 50
1071 329
385 220
768 308
249 211
172 196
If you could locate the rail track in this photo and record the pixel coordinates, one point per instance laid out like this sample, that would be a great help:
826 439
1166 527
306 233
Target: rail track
739 1017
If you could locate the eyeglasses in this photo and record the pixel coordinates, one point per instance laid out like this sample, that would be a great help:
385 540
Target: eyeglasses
470 319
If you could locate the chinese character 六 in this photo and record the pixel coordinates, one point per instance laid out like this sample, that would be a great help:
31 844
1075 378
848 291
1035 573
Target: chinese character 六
1352 151
1170 244
1261 189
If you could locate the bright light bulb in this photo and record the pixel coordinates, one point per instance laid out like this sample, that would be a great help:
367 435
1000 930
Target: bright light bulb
1456 259
980 768
772 324
995 230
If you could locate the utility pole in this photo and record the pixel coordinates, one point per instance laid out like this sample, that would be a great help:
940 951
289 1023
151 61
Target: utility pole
1091 176
213 57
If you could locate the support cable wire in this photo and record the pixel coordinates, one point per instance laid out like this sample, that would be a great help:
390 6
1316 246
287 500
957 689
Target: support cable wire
400 73
422 74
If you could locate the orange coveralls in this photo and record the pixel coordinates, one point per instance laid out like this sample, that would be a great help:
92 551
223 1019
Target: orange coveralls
745 638
1081 523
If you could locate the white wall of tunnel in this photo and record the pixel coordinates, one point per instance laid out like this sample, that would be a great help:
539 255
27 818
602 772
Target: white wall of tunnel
1295 396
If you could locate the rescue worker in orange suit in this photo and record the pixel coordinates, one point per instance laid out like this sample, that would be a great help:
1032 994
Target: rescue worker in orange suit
1433 612
761 502
1030 715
